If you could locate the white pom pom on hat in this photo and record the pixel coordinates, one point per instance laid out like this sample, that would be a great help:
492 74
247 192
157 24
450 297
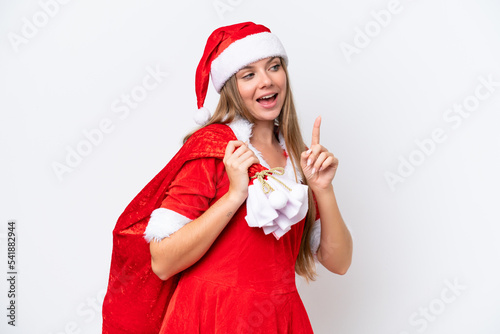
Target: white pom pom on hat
228 50
202 116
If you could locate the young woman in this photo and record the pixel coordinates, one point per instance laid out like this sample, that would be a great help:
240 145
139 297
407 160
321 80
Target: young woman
242 207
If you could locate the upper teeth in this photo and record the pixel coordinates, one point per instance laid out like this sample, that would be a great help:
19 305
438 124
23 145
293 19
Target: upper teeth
267 96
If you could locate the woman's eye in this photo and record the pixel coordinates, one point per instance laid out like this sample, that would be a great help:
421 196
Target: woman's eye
275 67
248 76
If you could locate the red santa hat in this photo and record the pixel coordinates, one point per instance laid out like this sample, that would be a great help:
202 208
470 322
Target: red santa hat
228 50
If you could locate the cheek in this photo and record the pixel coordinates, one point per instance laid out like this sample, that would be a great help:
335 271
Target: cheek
283 82
245 92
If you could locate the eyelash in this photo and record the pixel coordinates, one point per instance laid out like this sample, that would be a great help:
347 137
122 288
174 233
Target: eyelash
273 68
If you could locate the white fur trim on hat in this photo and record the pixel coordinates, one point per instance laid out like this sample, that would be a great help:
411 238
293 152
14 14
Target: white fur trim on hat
243 52
163 223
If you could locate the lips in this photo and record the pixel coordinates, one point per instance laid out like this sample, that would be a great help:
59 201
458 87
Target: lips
267 100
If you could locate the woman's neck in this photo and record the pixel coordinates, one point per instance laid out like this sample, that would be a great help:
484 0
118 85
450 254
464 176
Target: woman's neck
264 140
263 134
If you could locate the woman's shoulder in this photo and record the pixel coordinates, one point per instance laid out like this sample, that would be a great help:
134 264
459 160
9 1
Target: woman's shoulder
236 129
213 132
209 141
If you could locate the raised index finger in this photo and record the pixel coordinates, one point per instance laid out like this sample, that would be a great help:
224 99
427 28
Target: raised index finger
315 134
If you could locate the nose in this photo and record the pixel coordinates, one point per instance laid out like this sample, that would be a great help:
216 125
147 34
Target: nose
265 79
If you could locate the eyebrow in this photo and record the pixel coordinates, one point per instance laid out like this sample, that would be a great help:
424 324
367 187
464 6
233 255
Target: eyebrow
250 66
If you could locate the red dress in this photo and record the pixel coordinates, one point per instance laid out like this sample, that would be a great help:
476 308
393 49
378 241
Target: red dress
245 283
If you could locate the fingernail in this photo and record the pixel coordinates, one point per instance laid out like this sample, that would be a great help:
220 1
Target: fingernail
313 171
309 162
309 152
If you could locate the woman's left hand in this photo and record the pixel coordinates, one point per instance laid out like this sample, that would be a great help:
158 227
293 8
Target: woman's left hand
318 164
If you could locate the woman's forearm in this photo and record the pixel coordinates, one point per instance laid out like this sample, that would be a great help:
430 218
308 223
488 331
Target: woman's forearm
186 246
335 250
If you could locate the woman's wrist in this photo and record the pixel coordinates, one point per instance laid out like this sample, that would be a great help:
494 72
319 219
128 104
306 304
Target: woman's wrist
236 198
319 191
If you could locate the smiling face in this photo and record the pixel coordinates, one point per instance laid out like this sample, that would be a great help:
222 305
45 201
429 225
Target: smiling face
262 86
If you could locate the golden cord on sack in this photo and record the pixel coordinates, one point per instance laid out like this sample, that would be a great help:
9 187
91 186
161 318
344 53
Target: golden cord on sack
266 187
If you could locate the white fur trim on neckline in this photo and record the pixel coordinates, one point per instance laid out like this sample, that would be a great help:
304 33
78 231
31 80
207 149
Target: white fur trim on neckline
242 129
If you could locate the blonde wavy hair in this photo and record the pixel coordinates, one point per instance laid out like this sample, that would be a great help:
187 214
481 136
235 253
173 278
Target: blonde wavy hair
231 105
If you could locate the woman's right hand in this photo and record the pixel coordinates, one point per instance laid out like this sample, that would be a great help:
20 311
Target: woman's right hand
183 248
237 159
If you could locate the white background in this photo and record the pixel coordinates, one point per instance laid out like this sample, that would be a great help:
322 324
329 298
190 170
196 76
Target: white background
438 227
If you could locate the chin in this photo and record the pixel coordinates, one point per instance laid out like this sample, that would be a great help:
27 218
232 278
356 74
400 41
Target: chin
270 117
265 115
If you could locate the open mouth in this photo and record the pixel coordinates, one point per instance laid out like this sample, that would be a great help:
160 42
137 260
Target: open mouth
268 99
